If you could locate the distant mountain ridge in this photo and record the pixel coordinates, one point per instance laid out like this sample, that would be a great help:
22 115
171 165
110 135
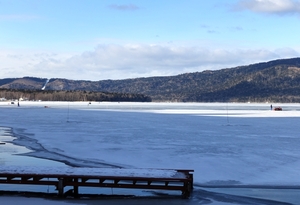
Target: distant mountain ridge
273 81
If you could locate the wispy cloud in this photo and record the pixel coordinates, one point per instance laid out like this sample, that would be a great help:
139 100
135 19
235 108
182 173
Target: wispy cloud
209 29
215 30
236 28
270 6
124 7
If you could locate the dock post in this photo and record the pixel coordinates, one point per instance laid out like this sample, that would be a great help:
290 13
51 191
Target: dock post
60 187
186 191
192 182
75 188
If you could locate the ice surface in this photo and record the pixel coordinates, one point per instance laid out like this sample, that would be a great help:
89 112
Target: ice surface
31 201
225 143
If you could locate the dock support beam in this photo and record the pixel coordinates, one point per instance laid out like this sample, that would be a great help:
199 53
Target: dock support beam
60 187
75 189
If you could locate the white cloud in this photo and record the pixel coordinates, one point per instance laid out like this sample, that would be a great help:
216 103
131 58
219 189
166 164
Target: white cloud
124 7
270 6
131 61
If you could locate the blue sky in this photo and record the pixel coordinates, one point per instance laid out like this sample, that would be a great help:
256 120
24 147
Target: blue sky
119 39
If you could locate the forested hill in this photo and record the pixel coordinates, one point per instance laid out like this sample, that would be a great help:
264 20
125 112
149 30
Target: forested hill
274 81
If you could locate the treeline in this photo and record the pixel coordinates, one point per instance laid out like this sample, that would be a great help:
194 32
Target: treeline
54 95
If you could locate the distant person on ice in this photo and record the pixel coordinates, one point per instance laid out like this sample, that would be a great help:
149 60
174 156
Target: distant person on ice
18 104
271 107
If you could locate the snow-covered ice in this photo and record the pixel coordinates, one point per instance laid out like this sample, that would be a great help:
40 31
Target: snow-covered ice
225 143
83 171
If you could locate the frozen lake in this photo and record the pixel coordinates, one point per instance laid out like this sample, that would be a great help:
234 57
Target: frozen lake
225 143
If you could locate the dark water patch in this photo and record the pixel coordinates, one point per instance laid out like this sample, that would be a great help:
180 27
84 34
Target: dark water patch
234 199
12 154
37 150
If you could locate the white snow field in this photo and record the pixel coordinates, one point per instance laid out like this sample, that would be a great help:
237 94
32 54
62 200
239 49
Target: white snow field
225 143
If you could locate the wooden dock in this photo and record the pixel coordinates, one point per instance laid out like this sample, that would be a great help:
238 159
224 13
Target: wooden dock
157 179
